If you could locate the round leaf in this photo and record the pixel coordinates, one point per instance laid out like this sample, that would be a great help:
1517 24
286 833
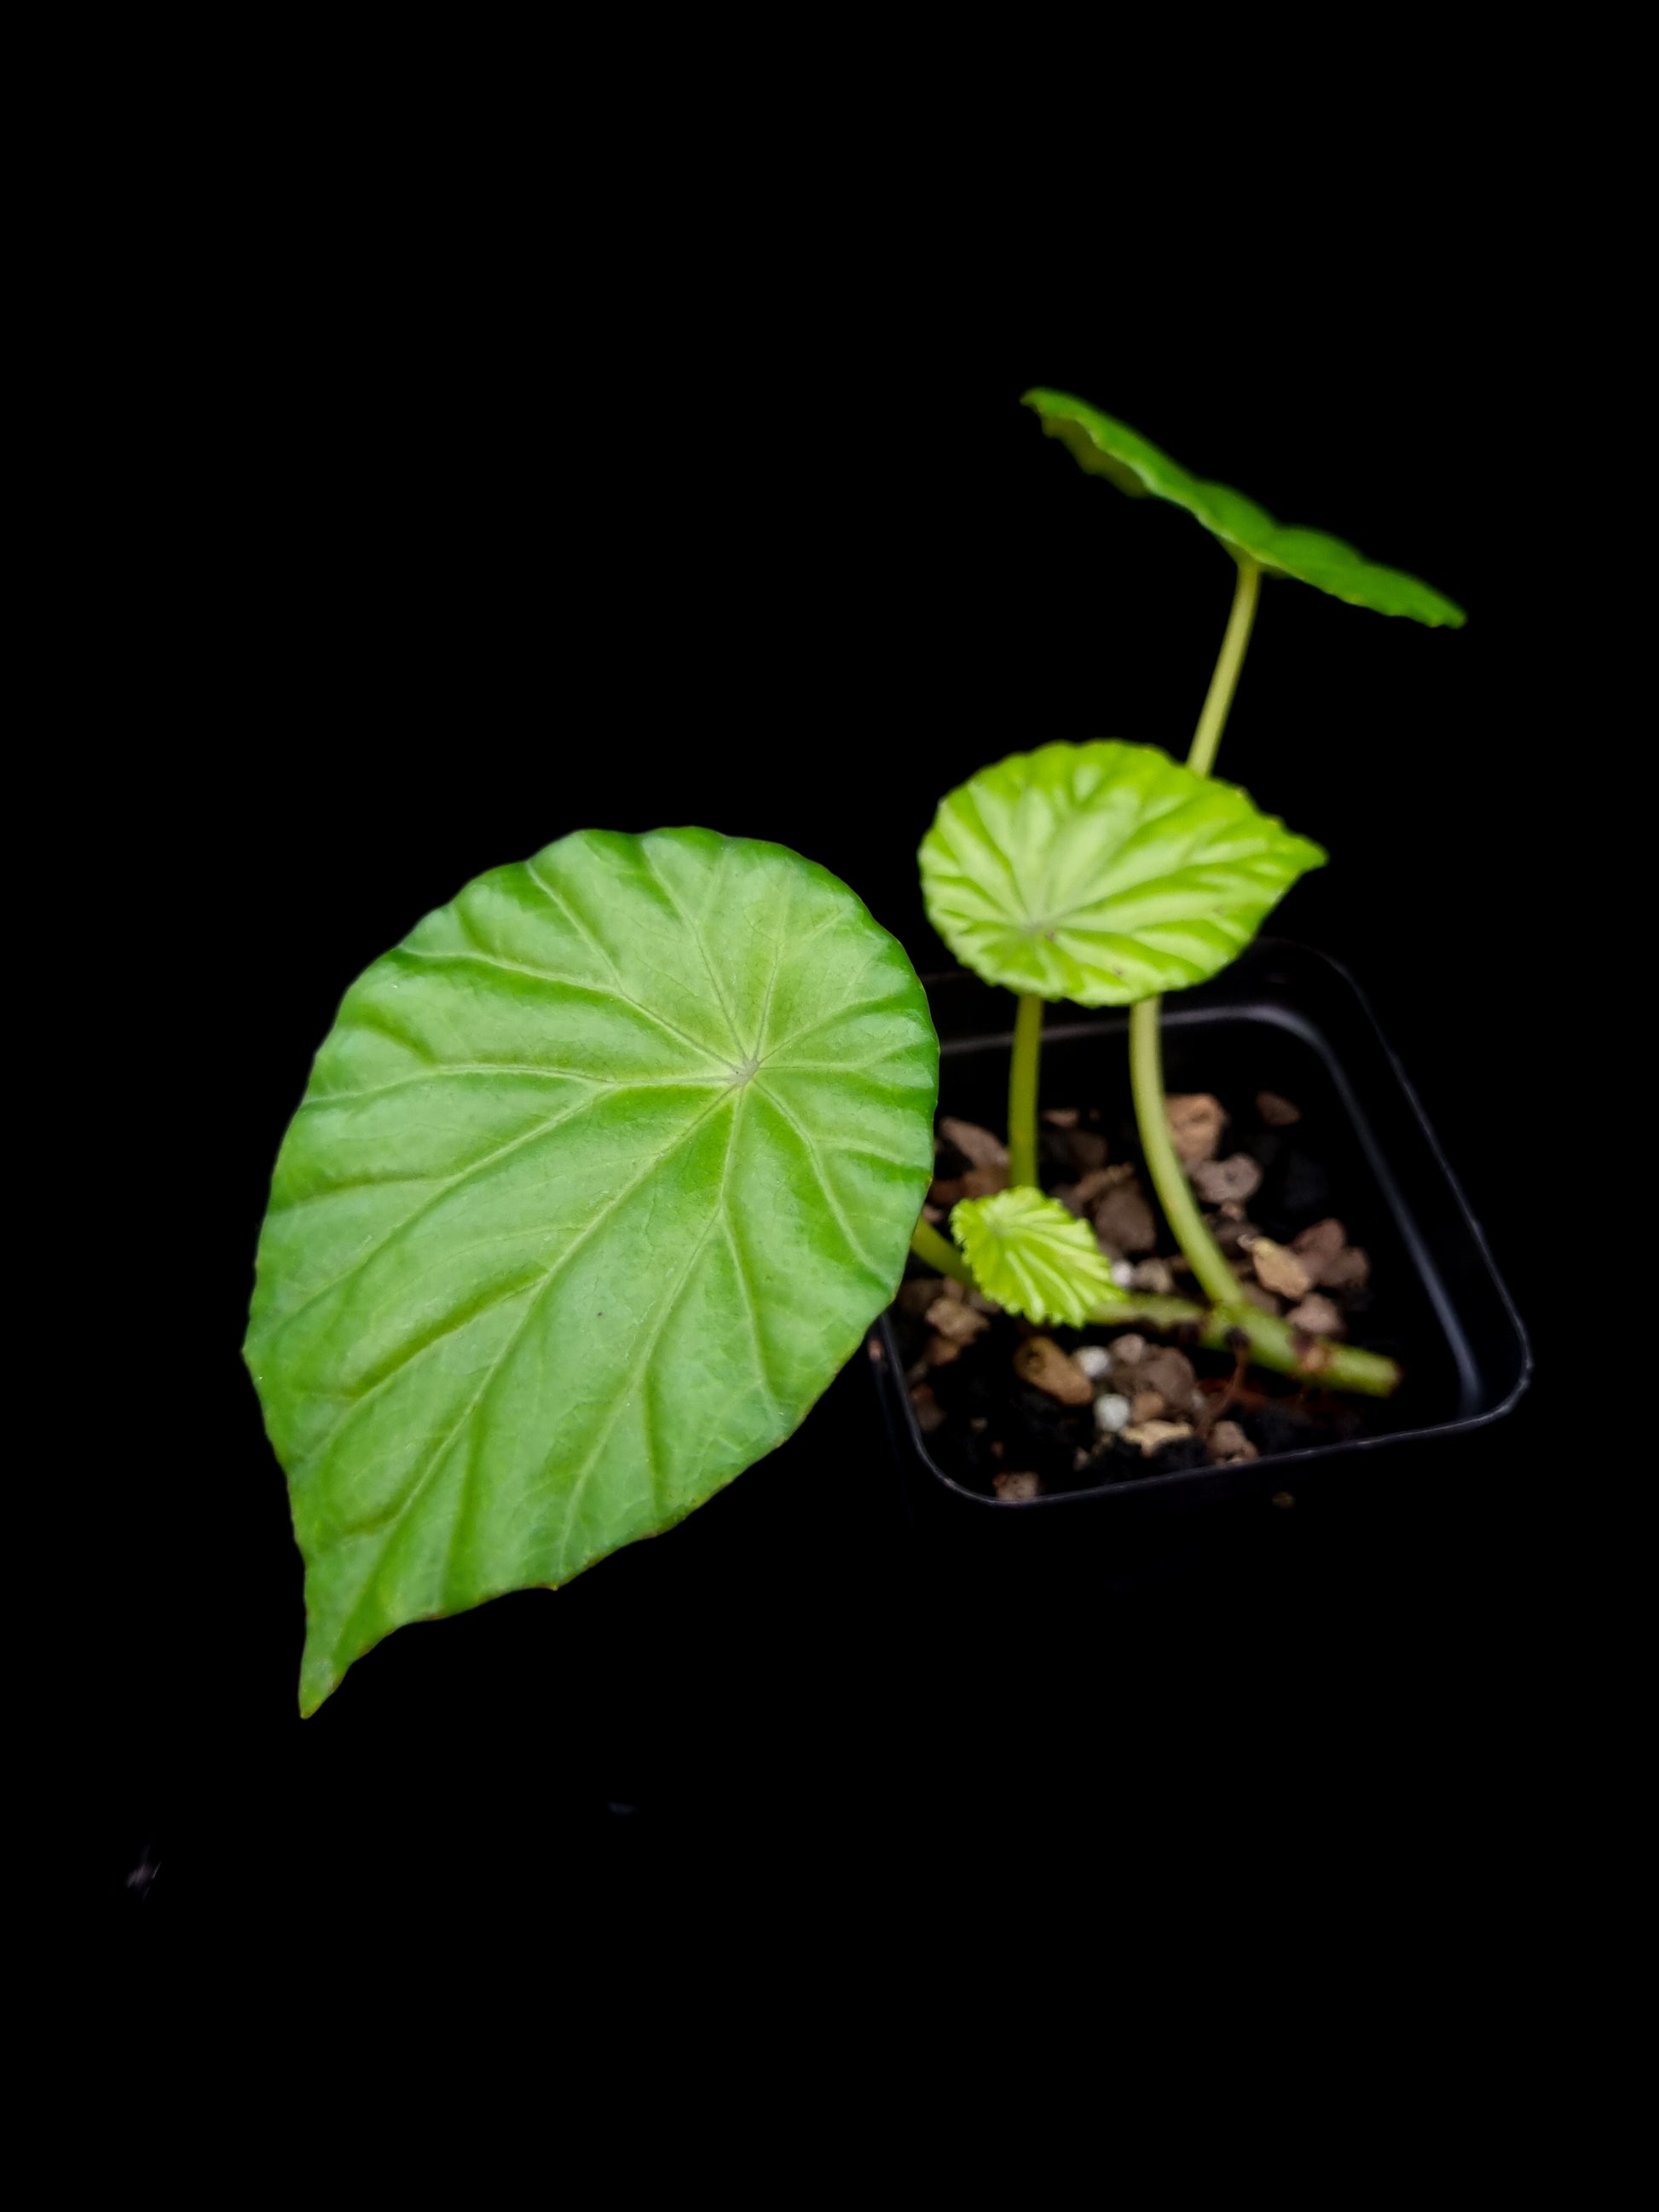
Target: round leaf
600 1176
1109 448
1032 1256
1104 874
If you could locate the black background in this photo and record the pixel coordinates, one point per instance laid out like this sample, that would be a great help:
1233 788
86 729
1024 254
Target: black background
408 550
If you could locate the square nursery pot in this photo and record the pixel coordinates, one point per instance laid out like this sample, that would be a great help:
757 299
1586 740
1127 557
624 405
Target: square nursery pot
1286 1020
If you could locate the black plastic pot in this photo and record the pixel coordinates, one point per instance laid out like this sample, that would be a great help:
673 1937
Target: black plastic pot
1285 1019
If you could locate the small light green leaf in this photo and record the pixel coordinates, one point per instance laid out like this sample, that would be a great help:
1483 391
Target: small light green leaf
1103 874
600 1176
1109 448
1029 1254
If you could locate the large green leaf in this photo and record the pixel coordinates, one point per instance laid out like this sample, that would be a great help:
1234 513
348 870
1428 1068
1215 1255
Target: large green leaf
1103 874
1109 448
600 1176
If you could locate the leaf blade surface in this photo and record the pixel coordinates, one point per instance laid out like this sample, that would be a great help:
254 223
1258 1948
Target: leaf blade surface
1101 445
545 1266
1104 874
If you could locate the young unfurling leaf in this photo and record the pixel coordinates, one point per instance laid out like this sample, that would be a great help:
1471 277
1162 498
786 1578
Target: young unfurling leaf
1032 1256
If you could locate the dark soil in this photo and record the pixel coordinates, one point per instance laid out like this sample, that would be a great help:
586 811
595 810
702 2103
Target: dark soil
986 1425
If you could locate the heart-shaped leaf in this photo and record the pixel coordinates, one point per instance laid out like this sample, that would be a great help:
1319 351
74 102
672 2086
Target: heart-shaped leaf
1032 1256
1109 448
600 1176
1103 874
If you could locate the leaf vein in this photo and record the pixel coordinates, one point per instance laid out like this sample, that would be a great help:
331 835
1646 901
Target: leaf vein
740 1268
515 1067
823 1181
543 1129
563 983
435 1460
643 1361
694 933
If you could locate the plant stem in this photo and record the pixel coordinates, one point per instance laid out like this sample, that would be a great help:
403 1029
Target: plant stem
1174 1192
1203 1255
1023 1091
939 1252
1225 681
1273 1343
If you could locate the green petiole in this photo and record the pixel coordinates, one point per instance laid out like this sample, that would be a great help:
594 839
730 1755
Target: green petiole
939 1252
1218 699
1174 1194
1273 1342
1023 1091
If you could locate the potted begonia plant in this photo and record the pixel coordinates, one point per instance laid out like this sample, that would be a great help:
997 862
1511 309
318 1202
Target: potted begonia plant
605 1170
